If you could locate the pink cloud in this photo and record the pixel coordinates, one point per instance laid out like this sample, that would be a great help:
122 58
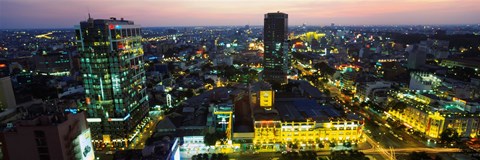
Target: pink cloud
66 13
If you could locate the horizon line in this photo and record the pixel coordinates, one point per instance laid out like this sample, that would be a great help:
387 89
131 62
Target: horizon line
336 25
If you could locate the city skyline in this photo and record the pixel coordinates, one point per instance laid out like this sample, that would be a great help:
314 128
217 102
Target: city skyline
239 79
149 13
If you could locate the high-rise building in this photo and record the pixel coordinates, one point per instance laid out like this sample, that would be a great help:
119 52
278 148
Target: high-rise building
7 98
55 63
416 57
112 67
275 36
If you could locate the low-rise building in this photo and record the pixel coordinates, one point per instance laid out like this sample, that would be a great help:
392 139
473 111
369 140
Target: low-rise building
56 63
47 135
7 98
222 60
305 123
431 115
373 90
422 81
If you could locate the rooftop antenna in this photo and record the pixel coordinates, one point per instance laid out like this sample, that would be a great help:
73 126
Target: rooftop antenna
89 17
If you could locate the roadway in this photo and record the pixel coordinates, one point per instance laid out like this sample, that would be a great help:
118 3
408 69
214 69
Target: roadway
387 140
376 153
303 70
146 133
375 126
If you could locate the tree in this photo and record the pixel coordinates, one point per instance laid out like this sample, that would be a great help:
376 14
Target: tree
332 145
324 68
449 135
206 67
295 146
350 155
400 106
311 155
419 156
355 99
230 71
210 81
347 144
396 105
363 104
40 89
326 91
320 145
212 138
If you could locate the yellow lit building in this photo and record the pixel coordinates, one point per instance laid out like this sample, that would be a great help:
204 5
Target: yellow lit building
432 124
293 125
267 131
310 36
433 120
310 132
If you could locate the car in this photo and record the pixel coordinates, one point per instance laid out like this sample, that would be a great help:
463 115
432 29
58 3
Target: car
368 131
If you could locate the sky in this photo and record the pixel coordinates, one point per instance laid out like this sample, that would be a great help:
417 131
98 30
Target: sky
152 13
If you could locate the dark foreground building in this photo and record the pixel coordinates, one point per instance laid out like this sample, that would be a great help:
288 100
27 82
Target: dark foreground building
40 135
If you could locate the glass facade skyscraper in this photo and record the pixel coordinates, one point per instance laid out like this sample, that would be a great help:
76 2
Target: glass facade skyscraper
275 36
113 74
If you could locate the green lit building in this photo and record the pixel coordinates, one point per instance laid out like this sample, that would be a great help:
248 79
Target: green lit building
113 74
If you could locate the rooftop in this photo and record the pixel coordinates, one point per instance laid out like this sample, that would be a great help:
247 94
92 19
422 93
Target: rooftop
303 109
312 91
297 109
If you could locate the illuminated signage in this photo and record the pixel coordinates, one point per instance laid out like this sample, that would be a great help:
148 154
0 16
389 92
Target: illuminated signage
94 120
85 142
266 98
459 100
119 119
71 110
106 138
222 122
265 122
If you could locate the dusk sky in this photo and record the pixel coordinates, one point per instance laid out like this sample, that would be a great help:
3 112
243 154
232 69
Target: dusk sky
149 13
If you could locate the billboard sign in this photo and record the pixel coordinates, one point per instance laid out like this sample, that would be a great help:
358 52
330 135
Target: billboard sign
85 143
266 98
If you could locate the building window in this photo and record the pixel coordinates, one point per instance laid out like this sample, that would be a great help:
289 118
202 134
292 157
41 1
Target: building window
41 141
43 150
39 134
44 157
